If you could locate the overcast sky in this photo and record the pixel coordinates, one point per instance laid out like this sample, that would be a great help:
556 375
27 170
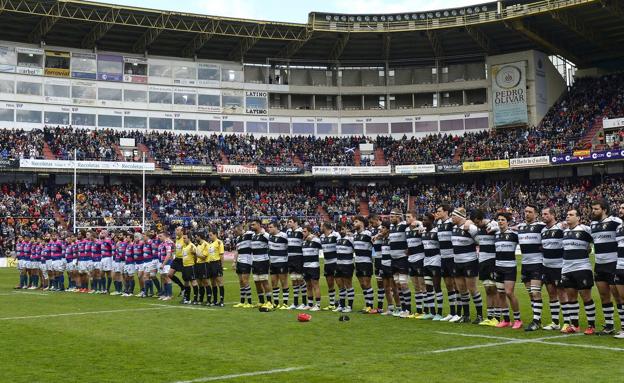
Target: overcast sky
288 11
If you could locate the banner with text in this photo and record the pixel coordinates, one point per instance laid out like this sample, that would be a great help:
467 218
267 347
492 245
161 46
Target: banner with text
529 162
612 123
415 169
85 165
9 164
509 99
191 169
280 170
351 170
486 165
237 169
604 155
452 168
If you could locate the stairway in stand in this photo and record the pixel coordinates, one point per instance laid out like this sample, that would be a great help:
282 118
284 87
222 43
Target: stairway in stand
47 152
380 158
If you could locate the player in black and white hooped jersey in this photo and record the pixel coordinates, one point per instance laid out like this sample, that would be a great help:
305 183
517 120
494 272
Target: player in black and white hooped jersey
486 235
415 258
310 248
391 293
464 239
434 300
329 239
242 264
295 263
400 265
603 229
530 238
363 247
552 248
375 224
278 256
619 272
445 234
260 263
506 272
576 273
344 270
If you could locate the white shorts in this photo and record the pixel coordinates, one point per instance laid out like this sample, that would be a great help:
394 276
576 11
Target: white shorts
130 269
107 264
164 270
21 264
151 266
140 267
43 266
49 265
97 265
71 265
59 265
118 267
34 265
84 267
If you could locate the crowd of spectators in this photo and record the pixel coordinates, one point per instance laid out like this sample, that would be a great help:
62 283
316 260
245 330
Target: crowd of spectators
18 143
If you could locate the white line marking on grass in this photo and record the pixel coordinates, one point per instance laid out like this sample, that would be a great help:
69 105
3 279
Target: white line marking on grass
234 376
79 313
597 347
484 345
183 307
28 293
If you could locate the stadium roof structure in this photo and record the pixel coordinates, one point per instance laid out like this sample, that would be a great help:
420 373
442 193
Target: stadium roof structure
587 32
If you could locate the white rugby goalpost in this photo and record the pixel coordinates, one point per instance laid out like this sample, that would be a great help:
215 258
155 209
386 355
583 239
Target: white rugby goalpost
77 227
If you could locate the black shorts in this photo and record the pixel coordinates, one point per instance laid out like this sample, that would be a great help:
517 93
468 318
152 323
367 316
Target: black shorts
260 267
579 280
448 267
467 269
433 271
400 266
417 269
295 266
311 273
278 268
364 269
177 264
243 268
378 271
504 274
618 277
551 276
214 269
531 272
605 272
329 270
386 272
188 273
486 270
200 271
344 271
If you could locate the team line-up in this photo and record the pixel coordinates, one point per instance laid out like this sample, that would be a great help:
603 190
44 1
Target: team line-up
442 246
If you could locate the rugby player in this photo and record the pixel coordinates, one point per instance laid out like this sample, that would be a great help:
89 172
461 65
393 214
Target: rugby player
242 264
311 247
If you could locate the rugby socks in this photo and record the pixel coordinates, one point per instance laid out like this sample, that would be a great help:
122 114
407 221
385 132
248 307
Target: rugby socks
620 308
118 286
215 291
419 299
195 293
465 300
177 281
285 295
343 297
243 294
304 295
607 310
260 298
536 305
573 311
202 293
590 312
351 296
407 297
187 293
208 294
332 297
369 297
439 302
381 294
565 310
554 311
268 297
276 296
155 282
109 280
296 290
429 301
505 312
516 315
248 293
221 294
451 301
478 303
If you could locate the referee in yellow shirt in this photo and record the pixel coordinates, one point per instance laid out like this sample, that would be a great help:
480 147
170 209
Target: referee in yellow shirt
201 267
215 266
189 255
176 263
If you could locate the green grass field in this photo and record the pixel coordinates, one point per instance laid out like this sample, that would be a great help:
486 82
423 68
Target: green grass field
70 337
